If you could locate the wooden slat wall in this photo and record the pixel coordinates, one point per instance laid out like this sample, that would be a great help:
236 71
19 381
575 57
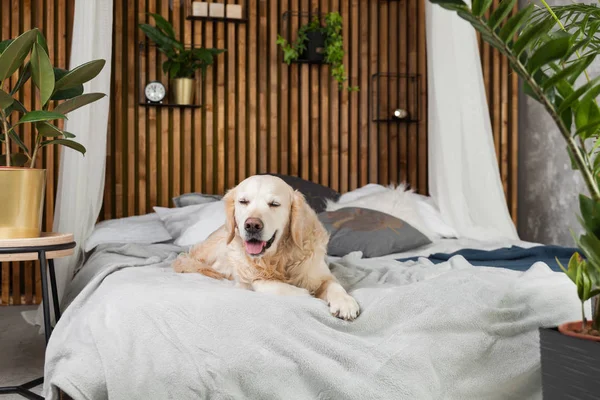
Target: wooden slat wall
20 282
260 115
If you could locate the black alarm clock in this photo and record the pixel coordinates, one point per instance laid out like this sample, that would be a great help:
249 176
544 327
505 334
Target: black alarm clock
155 92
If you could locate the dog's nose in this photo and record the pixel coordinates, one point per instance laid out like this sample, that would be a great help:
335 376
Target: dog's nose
253 225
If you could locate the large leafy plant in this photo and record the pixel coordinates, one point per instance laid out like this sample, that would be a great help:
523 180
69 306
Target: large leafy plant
334 45
52 85
550 48
181 62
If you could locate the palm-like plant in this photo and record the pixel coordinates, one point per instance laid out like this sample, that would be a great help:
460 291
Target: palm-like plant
181 62
52 85
550 48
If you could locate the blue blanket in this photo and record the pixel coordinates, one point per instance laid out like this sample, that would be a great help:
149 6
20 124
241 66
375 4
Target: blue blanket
515 258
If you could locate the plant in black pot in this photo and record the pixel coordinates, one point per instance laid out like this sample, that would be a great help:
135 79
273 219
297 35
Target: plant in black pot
550 49
317 43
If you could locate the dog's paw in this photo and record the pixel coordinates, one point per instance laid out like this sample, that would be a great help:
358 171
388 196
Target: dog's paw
179 264
343 306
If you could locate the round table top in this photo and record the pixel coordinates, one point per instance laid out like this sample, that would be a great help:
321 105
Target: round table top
46 239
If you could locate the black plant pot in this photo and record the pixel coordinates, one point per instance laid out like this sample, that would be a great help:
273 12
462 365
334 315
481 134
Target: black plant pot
570 366
315 48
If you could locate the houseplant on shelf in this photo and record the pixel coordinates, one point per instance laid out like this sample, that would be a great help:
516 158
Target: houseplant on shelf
550 49
182 62
22 185
317 43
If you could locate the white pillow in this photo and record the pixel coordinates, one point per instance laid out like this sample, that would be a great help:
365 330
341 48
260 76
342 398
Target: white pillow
143 229
399 202
192 224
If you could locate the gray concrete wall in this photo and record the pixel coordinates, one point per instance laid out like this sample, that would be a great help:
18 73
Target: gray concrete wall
548 188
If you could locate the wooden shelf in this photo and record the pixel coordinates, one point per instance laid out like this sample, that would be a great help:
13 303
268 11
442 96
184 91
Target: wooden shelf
217 19
167 105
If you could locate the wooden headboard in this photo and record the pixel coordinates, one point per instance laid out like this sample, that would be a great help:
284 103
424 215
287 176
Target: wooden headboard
259 115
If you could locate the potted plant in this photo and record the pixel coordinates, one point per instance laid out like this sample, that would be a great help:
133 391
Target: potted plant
182 63
22 185
317 43
550 49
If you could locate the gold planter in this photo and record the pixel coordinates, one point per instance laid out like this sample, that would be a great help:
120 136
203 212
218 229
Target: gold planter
21 202
183 90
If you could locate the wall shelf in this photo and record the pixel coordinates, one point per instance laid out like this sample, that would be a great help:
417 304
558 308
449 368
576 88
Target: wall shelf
167 105
391 91
217 19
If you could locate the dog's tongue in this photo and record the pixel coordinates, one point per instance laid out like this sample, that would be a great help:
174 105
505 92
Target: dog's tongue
254 247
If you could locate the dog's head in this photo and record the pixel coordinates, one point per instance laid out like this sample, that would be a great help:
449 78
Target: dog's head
262 210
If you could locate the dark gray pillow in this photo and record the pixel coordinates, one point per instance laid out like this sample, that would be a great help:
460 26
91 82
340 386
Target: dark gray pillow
191 199
374 233
315 194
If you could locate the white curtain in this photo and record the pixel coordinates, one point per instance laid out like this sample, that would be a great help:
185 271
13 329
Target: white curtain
81 179
464 178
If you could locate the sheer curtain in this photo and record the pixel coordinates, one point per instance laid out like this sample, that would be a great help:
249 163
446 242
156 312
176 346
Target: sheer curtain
464 178
81 178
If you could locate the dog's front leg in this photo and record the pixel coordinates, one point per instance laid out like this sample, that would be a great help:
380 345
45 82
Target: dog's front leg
341 304
279 288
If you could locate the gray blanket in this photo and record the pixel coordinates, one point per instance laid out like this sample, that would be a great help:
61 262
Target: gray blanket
137 330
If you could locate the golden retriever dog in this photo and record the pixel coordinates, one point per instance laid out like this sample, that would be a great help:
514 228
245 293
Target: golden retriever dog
272 242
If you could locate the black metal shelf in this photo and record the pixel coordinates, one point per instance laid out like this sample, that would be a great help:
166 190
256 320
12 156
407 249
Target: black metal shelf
167 105
390 91
217 19
299 61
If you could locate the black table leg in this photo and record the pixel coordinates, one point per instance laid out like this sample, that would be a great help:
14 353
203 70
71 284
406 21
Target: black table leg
54 290
45 297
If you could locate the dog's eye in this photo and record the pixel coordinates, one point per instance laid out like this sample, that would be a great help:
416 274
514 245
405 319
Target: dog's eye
274 204
243 201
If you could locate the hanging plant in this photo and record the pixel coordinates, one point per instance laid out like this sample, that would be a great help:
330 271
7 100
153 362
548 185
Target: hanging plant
333 46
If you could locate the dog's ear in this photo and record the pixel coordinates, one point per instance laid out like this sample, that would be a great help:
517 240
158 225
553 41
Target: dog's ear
302 219
229 201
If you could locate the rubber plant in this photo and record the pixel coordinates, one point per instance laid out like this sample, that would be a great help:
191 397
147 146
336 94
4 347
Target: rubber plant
51 85
181 62
334 46
550 49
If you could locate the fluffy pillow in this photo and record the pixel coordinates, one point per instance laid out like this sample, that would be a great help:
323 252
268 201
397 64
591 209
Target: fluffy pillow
143 229
316 195
192 224
190 199
399 202
374 233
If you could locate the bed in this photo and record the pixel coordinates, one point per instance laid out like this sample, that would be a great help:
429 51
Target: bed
133 329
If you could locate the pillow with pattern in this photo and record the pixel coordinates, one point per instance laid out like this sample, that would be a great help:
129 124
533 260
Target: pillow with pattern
374 233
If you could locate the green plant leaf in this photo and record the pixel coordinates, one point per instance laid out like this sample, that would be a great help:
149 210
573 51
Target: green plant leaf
573 98
587 118
479 7
515 22
163 41
15 106
575 69
6 99
23 77
552 50
14 55
41 40
4 44
16 159
453 5
590 213
163 25
48 130
42 73
77 102
529 91
501 12
65 142
68 134
573 266
530 35
67 93
40 115
80 75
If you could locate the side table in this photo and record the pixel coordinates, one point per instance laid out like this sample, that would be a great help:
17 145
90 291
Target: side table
45 249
